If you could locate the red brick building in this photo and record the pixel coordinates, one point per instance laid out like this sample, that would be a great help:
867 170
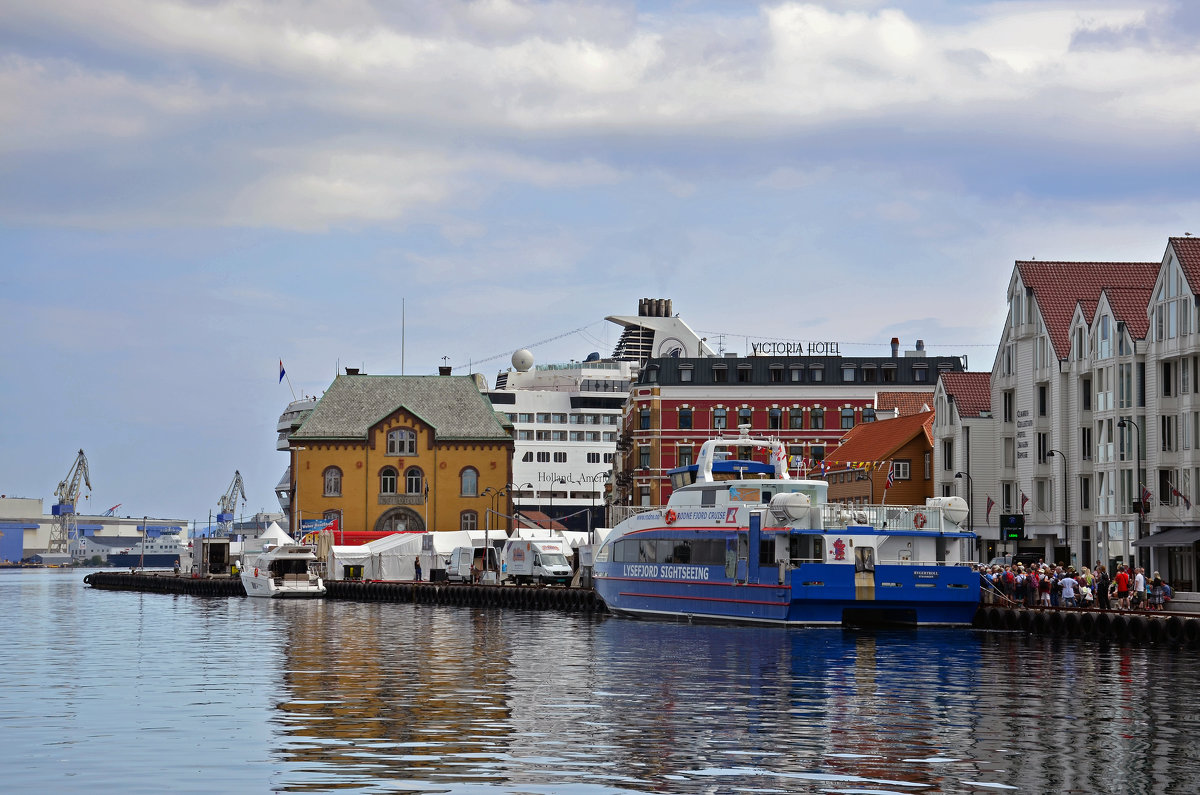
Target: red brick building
809 402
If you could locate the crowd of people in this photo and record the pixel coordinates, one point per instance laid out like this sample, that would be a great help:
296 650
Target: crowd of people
1062 586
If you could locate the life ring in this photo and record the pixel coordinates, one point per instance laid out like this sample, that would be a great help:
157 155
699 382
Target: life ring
669 517
256 571
919 520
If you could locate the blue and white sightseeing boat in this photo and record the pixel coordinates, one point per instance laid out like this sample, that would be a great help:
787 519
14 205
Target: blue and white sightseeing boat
739 544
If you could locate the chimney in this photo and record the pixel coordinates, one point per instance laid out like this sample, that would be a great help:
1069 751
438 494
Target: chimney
443 370
895 347
351 371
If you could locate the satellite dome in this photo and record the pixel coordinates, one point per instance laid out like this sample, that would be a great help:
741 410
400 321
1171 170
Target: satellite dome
594 356
522 360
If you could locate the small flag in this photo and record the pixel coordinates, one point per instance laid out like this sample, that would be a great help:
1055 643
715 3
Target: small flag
1024 501
282 372
1186 502
891 477
987 517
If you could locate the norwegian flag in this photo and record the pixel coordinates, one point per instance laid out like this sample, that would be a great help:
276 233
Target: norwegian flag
891 478
1145 498
1024 502
1186 502
987 518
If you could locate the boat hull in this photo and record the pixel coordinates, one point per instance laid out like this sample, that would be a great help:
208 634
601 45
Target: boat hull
813 594
265 587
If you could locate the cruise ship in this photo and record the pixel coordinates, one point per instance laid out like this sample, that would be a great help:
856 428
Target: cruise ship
567 417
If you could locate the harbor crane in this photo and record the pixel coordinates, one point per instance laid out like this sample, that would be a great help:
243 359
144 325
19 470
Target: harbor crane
64 533
228 503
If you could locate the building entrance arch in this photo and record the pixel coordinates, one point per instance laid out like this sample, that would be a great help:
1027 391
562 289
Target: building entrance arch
400 520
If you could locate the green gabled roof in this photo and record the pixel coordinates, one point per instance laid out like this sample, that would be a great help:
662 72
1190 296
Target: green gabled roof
452 405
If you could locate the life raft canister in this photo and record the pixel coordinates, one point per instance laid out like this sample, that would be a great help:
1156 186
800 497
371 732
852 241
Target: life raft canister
669 517
919 521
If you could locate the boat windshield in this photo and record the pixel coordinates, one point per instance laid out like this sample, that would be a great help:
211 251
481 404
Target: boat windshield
553 559
290 566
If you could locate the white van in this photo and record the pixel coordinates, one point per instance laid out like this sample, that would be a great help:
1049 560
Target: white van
536 560
464 561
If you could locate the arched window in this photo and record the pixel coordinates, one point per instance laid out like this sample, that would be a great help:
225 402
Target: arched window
817 419
718 418
387 481
414 481
333 482
402 442
468 520
470 483
744 415
847 418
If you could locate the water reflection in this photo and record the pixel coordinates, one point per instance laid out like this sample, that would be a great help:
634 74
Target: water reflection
251 695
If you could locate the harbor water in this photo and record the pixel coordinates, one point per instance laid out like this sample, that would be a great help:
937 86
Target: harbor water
107 691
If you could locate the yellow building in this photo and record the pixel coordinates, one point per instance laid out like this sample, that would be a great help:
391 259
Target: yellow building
388 453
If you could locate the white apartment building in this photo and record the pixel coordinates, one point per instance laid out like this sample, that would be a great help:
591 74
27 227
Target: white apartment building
964 453
1096 373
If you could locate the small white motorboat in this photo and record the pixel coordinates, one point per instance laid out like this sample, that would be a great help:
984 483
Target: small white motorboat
283 571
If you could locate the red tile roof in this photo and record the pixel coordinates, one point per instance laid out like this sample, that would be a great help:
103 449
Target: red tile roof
906 403
877 441
1060 286
972 392
1187 251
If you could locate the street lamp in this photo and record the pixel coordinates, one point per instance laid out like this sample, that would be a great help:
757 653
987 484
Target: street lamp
495 494
1066 530
970 499
591 517
553 484
1137 488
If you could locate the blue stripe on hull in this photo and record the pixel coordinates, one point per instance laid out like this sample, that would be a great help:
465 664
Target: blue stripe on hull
814 594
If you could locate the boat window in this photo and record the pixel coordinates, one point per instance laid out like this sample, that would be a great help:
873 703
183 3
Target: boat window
646 551
708 498
681 552
665 548
766 550
707 551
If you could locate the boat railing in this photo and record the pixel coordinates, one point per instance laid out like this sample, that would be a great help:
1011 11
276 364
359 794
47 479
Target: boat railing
619 513
892 517
925 563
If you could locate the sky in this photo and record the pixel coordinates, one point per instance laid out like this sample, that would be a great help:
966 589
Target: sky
194 190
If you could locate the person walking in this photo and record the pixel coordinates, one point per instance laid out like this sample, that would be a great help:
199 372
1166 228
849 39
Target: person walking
1103 581
1122 583
1069 587
1157 592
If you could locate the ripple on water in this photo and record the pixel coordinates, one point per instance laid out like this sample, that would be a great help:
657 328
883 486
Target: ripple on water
136 691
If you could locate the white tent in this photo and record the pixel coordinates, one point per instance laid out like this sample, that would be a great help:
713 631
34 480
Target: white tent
387 558
274 535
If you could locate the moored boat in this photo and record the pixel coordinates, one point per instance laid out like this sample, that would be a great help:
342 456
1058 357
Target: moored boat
761 547
283 571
